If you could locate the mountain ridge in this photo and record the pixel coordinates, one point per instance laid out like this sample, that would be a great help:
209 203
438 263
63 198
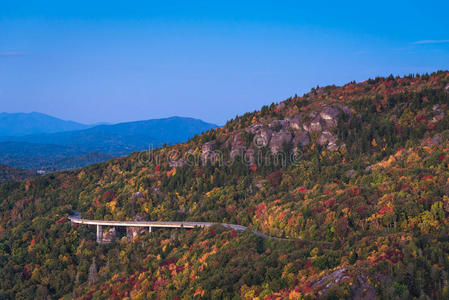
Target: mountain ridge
364 167
47 151
20 124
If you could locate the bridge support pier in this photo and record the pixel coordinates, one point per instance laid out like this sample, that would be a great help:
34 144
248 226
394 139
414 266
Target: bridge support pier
99 234
150 229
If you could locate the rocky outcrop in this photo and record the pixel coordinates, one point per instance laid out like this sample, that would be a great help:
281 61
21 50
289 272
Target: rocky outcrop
327 138
330 117
362 289
132 232
207 153
438 114
108 235
254 128
329 113
279 124
328 281
249 156
279 139
294 121
265 134
301 139
316 124
238 147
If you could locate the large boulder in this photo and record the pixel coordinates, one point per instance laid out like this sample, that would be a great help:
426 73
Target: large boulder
279 139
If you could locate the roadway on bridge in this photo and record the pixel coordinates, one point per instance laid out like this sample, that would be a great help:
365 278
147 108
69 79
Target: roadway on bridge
76 218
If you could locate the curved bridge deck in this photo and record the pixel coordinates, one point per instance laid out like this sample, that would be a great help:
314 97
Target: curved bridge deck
76 218
173 224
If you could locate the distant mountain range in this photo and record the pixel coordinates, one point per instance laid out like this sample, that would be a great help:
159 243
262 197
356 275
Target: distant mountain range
52 151
20 124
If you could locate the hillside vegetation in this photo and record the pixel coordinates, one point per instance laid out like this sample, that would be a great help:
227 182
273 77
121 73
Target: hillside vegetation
359 172
8 173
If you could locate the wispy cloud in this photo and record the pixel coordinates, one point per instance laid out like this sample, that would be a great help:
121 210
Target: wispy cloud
12 54
430 42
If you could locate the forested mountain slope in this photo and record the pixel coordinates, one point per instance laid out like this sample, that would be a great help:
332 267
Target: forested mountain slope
363 167
8 173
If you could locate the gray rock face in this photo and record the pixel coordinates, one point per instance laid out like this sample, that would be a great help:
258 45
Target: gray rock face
254 128
249 156
132 232
316 125
327 137
266 134
328 281
301 138
278 139
207 153
237 146
295 121
108 236
439 114
207 147
282 124
330 117
329 113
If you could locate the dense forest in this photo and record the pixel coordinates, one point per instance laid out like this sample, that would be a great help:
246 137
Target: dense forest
8 173
357 174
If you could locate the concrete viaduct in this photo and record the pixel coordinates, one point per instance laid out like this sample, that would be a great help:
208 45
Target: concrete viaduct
134 227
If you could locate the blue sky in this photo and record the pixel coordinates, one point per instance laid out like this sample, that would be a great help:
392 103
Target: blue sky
114 61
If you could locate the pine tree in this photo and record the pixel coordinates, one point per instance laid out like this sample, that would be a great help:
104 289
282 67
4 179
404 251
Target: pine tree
93 275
